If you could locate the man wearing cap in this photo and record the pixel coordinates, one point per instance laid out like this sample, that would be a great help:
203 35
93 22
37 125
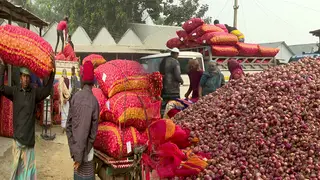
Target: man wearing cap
24 98
82 125
170 70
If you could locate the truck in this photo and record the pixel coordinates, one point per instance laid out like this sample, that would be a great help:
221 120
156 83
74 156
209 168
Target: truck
204 54
60 65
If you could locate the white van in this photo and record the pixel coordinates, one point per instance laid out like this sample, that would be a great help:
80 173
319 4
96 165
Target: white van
152 64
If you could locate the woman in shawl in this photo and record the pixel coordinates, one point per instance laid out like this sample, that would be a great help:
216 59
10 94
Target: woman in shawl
235 69
194 74
211 80
64 98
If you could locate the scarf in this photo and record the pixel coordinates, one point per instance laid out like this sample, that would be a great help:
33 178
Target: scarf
63 90
234 68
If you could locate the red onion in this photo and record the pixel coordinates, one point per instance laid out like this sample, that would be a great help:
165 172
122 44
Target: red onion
264 126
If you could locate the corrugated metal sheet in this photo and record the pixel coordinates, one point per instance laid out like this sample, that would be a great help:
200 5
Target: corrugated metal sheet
80 37
130 39
113 49
104 38
51 36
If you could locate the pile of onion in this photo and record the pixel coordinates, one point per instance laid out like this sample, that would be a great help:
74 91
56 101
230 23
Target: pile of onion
265 126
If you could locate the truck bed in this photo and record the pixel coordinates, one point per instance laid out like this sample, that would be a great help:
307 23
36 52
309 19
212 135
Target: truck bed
255 64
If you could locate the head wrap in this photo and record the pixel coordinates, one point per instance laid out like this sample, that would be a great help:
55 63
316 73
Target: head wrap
88 72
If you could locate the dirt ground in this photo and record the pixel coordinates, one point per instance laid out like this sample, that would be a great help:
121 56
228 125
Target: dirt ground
52 158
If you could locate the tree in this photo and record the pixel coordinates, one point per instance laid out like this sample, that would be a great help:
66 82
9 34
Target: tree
92 15
177 14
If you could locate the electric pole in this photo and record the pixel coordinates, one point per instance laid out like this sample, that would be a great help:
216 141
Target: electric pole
235 16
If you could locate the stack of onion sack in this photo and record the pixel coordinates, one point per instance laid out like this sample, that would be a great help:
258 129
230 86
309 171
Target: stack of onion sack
56 105
125 104
96 60
116 142
100 98
6 114
196 33
264 126
67 54
22 47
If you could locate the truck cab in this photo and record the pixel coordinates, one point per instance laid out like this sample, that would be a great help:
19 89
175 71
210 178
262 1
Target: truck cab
152 64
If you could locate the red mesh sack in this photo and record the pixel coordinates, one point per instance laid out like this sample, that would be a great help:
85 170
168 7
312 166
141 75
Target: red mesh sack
113 142
180 137
224 51
60 56
110 72
174 43
170 158
56 106
131 109
192 166
223 27
268 52
56 94
99 96
246 49
96 59
192 24
161 131
183 35
57 119
68 51
191 44
6 117
72 58
223 38
22 47
206 28
130 83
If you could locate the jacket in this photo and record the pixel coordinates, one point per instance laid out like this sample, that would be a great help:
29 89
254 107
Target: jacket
171 76
82 124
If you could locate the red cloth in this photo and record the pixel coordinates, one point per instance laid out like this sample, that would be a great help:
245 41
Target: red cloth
235 69
173 112
88 72
155 80
62 25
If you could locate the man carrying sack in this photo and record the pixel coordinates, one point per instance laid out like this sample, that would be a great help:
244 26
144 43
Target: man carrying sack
24 98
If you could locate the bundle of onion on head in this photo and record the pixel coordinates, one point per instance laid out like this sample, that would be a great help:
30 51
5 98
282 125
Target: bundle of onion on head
266 126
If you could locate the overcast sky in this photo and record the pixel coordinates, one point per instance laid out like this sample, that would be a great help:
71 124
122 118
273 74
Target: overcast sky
271 20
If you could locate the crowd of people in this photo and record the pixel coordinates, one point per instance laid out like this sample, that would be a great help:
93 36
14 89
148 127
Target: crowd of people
202 82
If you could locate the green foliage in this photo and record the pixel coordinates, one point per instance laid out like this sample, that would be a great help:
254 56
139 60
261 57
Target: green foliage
92 15
177 14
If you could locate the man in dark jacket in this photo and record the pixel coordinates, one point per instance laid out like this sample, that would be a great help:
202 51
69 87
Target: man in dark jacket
24 98
82 126
170 69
